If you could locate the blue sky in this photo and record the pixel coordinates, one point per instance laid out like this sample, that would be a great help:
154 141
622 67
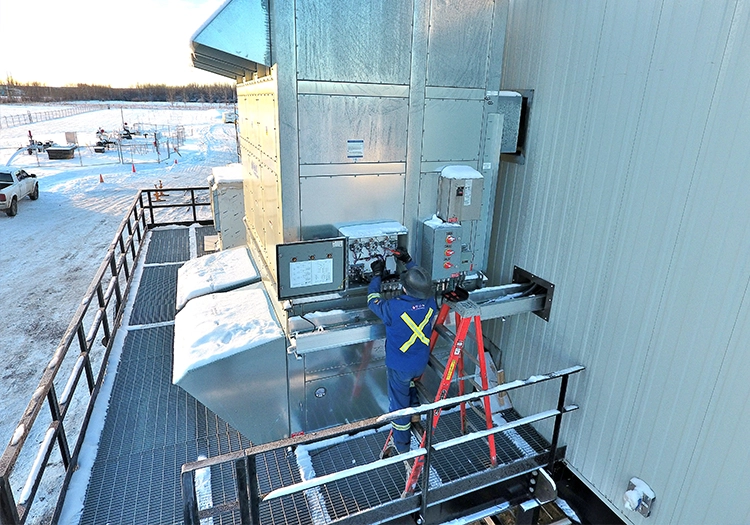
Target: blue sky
110 42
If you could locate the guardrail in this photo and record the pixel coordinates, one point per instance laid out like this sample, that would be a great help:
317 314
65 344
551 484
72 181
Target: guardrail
93 327
248 496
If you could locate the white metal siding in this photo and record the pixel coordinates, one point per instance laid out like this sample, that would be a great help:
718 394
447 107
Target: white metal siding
634 202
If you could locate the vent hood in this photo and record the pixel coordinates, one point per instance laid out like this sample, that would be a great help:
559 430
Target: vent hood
235 41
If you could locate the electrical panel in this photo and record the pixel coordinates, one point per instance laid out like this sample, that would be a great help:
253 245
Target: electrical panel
369 241
460 194
310 267
441 249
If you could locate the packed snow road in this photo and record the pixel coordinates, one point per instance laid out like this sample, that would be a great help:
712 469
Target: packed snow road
50 251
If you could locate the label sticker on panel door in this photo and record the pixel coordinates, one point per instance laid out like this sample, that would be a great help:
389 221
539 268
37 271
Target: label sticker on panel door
467 192
355 149
310 273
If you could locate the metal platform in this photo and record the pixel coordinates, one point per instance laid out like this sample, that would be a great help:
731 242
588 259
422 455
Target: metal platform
154 427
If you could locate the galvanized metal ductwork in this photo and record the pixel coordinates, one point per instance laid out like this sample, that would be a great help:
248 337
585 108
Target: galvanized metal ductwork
375 124
235 42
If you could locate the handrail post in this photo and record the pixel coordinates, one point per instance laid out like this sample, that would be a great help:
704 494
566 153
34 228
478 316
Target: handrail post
426 469
252 475
189 499
8 511
192 200
105 321
62 441
558 421
130 235
124 253
150 206
113 270
240 470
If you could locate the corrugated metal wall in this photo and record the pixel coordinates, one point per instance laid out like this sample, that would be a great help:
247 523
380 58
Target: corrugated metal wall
635 201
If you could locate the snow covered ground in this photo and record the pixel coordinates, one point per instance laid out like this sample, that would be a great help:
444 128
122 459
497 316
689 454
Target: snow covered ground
50 251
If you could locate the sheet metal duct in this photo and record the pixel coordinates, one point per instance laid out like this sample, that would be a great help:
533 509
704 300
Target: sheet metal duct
235 41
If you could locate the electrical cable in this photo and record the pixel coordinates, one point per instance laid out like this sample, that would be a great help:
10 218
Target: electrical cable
315 327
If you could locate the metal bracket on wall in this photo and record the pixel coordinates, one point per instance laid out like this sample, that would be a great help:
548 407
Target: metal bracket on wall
522 276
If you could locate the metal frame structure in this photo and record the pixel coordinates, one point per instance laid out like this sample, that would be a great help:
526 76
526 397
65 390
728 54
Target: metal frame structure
420 504
97 319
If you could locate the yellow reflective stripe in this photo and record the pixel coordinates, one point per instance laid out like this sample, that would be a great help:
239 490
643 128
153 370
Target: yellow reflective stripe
417 330
372 296
401 427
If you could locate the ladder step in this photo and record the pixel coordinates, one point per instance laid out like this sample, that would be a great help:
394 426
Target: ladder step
477 410
445 332
439 367
422 392
476 385
448 335
417 430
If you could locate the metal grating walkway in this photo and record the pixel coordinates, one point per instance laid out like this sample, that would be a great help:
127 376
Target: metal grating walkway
153 427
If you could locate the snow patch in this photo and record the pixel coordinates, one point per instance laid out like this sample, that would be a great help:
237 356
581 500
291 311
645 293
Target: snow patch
569 512
315 500
460 172
373 229
215 272
225 174
216 326
17 435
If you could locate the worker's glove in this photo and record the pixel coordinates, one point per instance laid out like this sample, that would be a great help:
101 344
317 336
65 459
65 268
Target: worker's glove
402 255
377 266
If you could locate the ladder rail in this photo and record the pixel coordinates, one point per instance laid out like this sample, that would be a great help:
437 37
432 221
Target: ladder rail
456 363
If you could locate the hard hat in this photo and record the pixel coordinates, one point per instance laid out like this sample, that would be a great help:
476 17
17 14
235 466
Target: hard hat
417 283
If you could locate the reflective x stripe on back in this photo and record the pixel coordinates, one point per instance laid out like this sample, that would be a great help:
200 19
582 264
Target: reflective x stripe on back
417 331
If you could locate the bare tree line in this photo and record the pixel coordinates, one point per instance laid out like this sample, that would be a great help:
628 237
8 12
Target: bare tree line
11 91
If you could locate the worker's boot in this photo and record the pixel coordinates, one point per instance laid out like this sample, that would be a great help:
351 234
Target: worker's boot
389 450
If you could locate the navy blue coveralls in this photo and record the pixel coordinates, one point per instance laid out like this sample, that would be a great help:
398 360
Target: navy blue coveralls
408 325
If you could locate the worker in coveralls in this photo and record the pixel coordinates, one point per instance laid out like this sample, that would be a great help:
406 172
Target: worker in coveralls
408 321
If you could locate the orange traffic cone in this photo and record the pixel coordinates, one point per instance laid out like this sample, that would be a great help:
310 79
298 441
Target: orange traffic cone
133 167
101 179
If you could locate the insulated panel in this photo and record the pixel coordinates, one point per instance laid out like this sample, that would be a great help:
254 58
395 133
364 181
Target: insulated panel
632 200
330 200
328 123
452 130
459 41
341 40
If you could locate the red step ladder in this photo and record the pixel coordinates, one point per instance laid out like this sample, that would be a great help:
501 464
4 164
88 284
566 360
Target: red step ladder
455 363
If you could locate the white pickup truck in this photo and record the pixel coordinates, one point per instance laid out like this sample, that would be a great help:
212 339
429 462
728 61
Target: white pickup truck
15 184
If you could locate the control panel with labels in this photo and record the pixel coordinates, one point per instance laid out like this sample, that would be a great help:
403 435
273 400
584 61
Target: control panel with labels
310 267
441 249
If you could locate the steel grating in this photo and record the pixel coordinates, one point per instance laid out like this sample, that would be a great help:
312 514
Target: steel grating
155 300
169 245
348 496
358 493
152 428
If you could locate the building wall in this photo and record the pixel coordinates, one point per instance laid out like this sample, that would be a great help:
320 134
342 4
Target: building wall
633 201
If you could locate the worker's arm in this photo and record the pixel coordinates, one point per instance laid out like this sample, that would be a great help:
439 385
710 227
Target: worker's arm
374 301
402 255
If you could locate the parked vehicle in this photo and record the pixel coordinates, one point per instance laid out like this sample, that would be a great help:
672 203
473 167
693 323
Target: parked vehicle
16 184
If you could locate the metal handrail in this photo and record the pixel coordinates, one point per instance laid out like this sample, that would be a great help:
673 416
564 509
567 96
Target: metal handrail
112 279
248 497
